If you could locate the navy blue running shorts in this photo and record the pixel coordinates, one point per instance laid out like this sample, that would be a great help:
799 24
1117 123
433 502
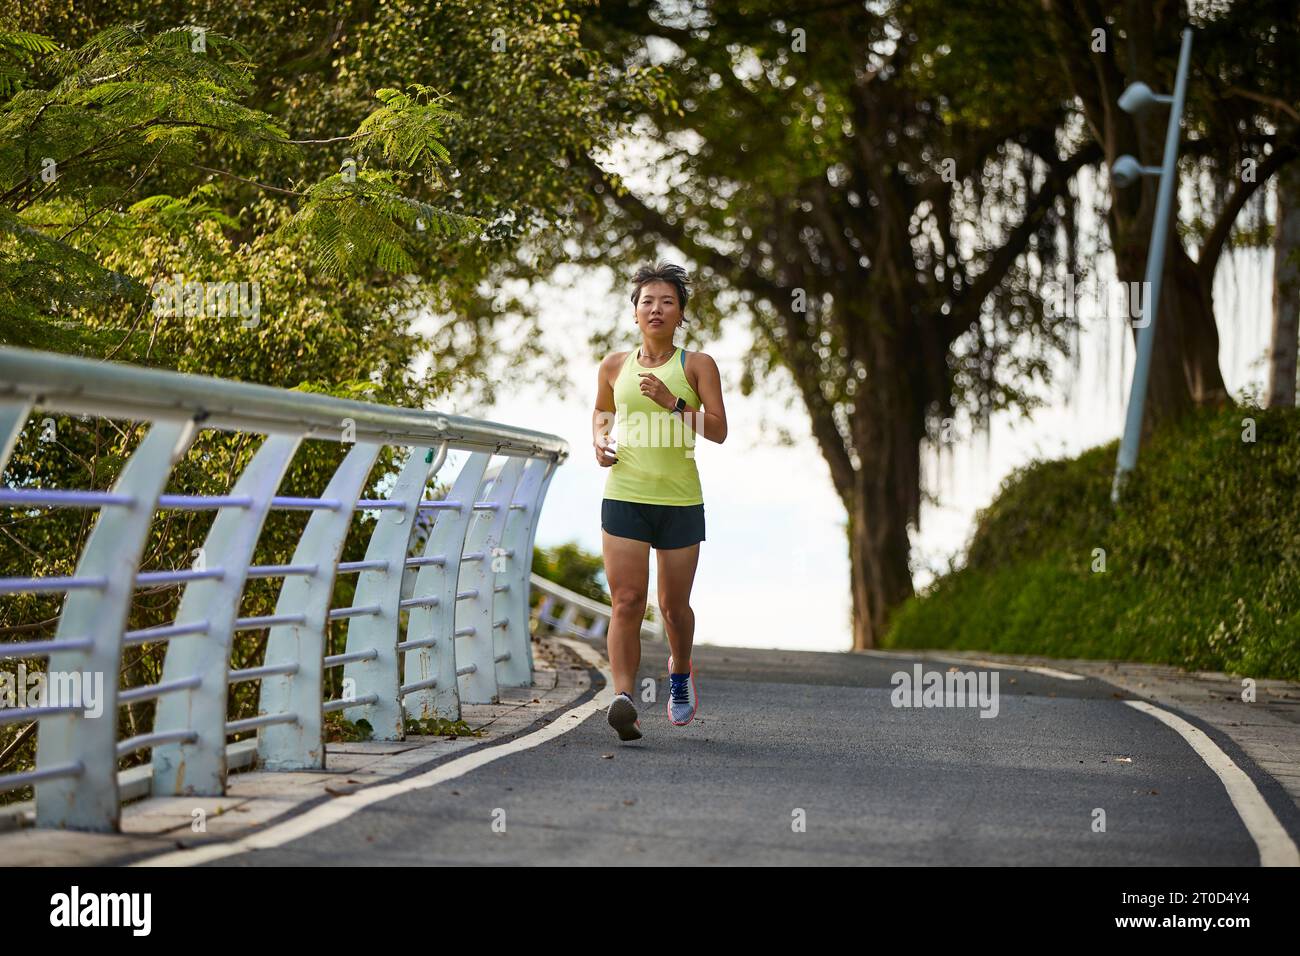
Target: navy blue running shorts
664 526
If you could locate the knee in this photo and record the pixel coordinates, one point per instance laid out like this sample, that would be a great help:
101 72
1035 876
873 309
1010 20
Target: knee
676 614
628 602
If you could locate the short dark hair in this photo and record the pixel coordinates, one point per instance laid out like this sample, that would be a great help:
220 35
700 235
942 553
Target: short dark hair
674 275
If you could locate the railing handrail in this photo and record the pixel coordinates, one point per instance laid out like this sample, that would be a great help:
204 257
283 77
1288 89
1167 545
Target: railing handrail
466 631
112 389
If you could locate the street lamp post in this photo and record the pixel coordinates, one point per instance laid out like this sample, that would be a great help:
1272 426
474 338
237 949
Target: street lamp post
1127 170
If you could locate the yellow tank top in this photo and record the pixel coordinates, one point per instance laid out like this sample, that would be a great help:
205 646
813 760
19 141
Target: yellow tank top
656 449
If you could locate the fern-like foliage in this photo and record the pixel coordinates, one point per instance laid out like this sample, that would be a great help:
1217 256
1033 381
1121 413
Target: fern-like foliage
178 214
129 110
404 131
361 218
41 276
18 51
355 225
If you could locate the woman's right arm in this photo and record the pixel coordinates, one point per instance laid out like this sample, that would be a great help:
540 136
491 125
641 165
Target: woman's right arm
602 418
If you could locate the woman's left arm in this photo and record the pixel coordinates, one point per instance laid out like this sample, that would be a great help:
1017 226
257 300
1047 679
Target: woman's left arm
711 422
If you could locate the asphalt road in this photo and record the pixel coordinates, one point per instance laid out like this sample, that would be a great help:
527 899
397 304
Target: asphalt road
785 736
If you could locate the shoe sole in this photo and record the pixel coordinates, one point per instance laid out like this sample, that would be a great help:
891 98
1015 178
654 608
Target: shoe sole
694 696
622 717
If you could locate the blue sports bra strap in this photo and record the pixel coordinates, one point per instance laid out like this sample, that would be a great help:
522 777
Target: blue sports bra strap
683 360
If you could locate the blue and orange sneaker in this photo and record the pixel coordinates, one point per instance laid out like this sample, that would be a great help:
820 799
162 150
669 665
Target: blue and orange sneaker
682 702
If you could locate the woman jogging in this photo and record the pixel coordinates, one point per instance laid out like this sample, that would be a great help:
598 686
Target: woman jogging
661 397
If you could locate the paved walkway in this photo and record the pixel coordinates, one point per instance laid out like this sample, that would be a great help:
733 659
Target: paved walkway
1267 729
796 758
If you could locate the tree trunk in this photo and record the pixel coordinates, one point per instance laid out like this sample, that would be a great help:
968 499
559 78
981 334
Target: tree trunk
878 564
888 423
1286 290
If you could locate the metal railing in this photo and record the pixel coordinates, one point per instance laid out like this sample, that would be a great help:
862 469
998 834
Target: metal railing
562 610
466 601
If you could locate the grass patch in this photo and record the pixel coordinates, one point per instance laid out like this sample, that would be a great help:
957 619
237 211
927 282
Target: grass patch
1201 559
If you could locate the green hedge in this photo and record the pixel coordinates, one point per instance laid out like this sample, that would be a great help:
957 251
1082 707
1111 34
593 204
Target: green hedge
1202 558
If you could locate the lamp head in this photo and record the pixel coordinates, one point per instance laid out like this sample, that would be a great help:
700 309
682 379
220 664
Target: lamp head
1126 171
1136 98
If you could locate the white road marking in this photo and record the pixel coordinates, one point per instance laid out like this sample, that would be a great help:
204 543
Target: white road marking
999 665
1276 848
343 807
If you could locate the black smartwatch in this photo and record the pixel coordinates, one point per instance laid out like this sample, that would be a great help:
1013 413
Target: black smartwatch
679 406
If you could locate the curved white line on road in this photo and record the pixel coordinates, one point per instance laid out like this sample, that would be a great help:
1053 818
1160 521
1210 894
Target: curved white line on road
997 665
343 807
1276 848
1033 668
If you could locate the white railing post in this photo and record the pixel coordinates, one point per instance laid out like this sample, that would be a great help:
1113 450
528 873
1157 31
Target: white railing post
476 653
13 416
514 642
374 680
298 745
569 619
89 801
432 653
198 766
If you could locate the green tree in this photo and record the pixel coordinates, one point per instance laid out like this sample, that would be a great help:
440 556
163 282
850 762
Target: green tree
885 222
570 566
207 142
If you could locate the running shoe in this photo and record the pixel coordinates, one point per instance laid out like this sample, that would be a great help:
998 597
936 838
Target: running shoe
622 717
682 702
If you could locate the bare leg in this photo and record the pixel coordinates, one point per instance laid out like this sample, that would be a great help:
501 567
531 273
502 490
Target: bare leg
676 577
627 569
